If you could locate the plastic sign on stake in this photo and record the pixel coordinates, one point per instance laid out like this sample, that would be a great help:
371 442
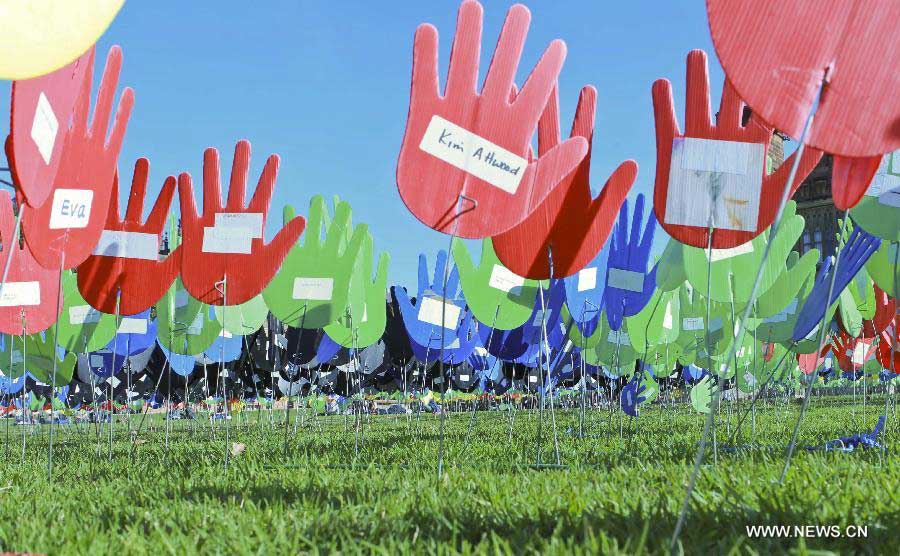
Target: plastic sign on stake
41 108
715 169
41 37
878 212
311 287
126 260
29 296
82 328
569 226
464 165
226 242
69 223
776 56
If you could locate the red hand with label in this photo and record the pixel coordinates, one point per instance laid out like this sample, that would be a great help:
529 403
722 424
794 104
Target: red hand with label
463 166
40 114
30 292
131 263
214 250
569 225
776 54
68 225
728 127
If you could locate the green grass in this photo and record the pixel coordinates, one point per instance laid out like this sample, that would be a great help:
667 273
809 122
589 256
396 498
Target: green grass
376 489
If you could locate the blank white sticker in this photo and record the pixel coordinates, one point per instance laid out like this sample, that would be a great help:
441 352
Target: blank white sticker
619 337
313 289
625 280
197 326
473 154
782 316
133 326
540 317
275 374
668 320
886 183
532 378
71 208
859 353
128 245
464 378
14 294
83 314
504 279
250 222
181 298
226 240
721 254
44 128
692 323
704 169
430 311
587 278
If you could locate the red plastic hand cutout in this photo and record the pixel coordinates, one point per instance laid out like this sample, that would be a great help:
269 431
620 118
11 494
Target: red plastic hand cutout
885 352
63 231
227 243
31 291
728 127
464 165
127 258
777 53
40 115
569 224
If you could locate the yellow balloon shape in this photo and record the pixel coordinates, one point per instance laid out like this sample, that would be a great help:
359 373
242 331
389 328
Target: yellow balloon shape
41 36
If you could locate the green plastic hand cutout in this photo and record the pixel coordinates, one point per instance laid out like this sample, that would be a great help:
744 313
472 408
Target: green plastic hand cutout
81 327
365 318
496 296
310 290
734 270
37 356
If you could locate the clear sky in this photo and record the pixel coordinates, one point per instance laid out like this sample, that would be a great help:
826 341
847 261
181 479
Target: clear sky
326 86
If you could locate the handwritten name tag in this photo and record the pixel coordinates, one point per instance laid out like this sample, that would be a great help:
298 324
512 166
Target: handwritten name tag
473 154
71 208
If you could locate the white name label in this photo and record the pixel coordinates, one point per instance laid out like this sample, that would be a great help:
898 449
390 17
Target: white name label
504 279
532 378
718 178
587 279
721 254
44 128
692 323
886 183
83 314
430 311
15 294
313 289
618 337
128 245
197 326
71 208
625 280
473 154
226 240
464 378
133 326
250 222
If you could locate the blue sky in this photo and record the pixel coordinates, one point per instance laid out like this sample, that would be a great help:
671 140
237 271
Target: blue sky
326 86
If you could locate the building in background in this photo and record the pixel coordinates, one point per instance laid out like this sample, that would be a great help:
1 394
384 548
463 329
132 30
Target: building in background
815 205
